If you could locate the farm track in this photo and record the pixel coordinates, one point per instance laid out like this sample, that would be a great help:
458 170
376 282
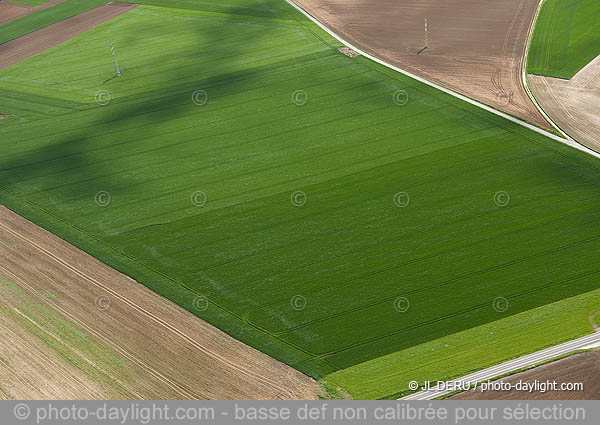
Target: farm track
483 63
581 368
514 365
230 174
496 111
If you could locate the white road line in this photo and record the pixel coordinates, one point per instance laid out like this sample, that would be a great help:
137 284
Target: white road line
532 127
512 365
524 75
530 359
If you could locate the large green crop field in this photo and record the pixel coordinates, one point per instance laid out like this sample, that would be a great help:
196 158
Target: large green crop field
45 17
30 2
343 218
566 38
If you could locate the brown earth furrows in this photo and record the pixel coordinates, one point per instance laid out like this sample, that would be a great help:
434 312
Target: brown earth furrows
580 368
10 11
34 294
28 362
476 47
36 42
169 353
137 307
574 105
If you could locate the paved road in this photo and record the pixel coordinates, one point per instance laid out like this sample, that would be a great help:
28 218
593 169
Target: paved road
566 141
588 341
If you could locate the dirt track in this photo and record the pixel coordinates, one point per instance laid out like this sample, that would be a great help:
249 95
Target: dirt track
573 104
123 341
29 45
475 46
581 368
10 11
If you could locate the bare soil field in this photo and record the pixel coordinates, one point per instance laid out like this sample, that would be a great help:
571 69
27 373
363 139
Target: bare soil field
75 328
10 11
29 368
31 44
580 368
573 104
476 47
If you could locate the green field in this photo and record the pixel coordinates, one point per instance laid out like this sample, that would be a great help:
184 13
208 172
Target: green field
29 2
262 8
566 38
43 18
335 214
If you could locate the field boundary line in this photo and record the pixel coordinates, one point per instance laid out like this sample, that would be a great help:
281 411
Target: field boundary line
177 387
448 316
567 141
528 360
165 324
46 331
524 75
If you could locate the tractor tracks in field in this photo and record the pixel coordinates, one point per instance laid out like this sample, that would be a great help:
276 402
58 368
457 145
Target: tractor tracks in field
33 322
179 388
147 368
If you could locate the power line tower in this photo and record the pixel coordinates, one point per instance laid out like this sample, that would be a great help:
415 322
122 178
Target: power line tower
114 55
426 45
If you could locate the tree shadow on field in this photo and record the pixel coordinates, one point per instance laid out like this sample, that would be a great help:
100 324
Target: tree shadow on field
172 99
71 171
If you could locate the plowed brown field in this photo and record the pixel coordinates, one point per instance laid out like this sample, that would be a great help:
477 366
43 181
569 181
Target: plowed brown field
476 47
573 104
10 11
580 368
74 328
36 42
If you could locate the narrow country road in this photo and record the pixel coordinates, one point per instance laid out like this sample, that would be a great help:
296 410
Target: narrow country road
566 141
532 359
